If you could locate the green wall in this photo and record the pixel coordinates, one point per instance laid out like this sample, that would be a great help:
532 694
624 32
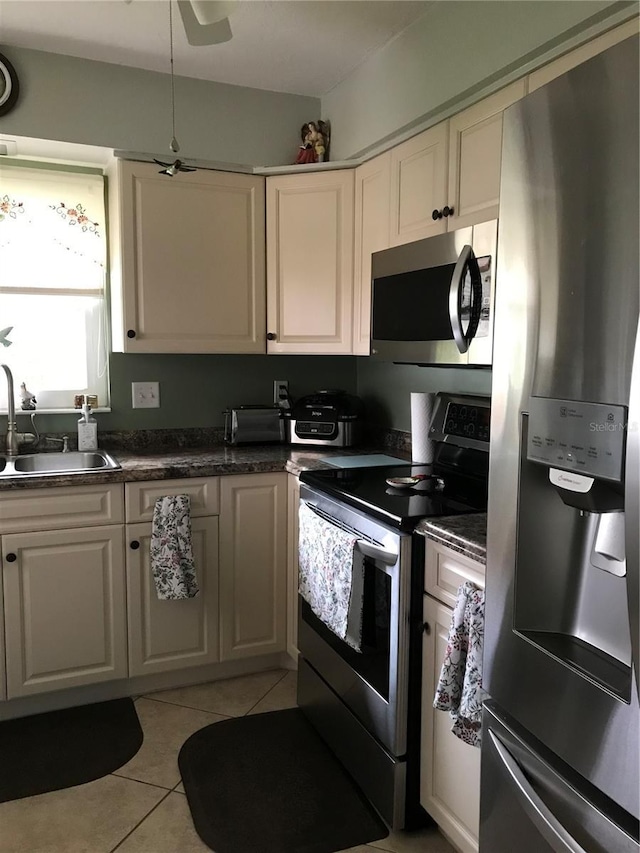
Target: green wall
386 387
194 389
453 51
96 103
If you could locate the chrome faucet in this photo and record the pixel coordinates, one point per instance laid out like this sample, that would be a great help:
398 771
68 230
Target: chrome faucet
14 438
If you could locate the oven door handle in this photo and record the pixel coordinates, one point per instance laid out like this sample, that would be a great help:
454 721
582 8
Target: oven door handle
381 555
376 552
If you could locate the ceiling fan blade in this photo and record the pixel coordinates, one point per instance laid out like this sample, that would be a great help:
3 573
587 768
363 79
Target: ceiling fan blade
160 163
212 11
186 169
199 34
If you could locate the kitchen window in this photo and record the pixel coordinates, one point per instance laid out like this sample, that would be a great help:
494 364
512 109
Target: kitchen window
53 268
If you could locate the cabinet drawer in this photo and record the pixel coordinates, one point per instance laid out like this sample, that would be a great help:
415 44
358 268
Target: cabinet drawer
446 570
203 491
58 508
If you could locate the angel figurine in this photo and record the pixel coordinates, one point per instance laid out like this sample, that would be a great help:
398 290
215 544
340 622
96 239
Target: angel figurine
315 142
29 401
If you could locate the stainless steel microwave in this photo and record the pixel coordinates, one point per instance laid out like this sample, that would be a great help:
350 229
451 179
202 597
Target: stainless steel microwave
432 300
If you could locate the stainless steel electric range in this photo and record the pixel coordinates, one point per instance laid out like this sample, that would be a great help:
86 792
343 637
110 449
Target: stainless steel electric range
366 704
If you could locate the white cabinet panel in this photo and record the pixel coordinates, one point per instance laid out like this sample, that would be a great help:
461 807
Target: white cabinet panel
446 570
203 492
373 188
64 609
475 153
192 251
449 768
253 565
310 262
64 506
419 185
172 635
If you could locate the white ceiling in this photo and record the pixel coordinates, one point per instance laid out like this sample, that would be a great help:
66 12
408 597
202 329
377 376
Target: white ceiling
299 46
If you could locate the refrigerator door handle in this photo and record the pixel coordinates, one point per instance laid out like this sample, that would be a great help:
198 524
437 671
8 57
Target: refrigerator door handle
632 510
543 819
466 260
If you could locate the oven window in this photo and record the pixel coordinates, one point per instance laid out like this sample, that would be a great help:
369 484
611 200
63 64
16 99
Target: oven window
372 663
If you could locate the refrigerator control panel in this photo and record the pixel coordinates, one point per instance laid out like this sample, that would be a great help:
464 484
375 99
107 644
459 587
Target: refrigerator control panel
585 437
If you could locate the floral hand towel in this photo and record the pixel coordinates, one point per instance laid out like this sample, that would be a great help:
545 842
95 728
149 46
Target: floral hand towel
459 688
331 575
172 563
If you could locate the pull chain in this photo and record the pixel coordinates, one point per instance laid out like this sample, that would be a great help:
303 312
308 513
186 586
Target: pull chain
173 146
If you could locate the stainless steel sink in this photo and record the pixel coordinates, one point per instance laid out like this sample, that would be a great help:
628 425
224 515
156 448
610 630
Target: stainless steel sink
49 464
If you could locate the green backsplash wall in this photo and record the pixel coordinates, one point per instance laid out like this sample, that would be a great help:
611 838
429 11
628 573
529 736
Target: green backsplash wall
386 387
194 389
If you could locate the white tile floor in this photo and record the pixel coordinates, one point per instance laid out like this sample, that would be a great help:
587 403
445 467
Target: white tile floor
141 808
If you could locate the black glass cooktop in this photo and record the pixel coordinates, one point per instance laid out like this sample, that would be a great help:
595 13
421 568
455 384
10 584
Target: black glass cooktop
444 492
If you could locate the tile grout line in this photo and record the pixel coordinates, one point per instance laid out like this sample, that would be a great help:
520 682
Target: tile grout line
188 707
141 781
273 687
140 822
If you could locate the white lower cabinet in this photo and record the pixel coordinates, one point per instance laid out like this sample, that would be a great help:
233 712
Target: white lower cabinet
65 615
80 604
253 565
449 768
172 635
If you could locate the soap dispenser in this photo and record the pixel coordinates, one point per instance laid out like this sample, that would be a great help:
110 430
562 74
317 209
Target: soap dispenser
87 430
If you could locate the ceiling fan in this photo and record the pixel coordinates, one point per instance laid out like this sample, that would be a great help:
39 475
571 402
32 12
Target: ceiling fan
172 169
206 21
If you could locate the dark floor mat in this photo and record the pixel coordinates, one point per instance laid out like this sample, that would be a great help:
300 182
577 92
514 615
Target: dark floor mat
60 749
268 783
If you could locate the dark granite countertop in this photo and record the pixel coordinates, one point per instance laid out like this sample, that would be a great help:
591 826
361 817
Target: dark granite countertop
198 462
466 534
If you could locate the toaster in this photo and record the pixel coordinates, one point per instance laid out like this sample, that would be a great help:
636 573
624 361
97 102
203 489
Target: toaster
253 425
332 418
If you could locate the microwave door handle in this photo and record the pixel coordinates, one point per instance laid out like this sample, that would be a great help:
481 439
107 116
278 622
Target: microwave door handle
466 260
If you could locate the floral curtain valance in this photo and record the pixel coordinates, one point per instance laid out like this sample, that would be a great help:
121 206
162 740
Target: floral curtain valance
52 230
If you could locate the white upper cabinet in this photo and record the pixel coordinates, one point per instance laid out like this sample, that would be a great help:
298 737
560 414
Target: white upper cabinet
448 177
372 214
418 185
475 153
310 262
190 251
581 54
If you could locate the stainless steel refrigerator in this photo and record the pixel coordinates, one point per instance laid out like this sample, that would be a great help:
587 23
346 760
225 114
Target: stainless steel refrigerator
560 751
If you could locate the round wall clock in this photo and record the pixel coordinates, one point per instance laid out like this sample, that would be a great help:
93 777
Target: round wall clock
9 87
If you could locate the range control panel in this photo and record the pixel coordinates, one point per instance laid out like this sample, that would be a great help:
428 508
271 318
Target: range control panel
584 437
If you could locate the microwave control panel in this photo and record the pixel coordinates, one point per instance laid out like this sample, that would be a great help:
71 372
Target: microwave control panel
585 437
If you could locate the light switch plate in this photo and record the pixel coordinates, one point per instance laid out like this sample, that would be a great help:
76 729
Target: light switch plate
145 395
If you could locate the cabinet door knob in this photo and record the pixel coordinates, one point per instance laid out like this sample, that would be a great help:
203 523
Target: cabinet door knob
11 558
131 333
271 336
437 214
134 545
426 628
447 211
